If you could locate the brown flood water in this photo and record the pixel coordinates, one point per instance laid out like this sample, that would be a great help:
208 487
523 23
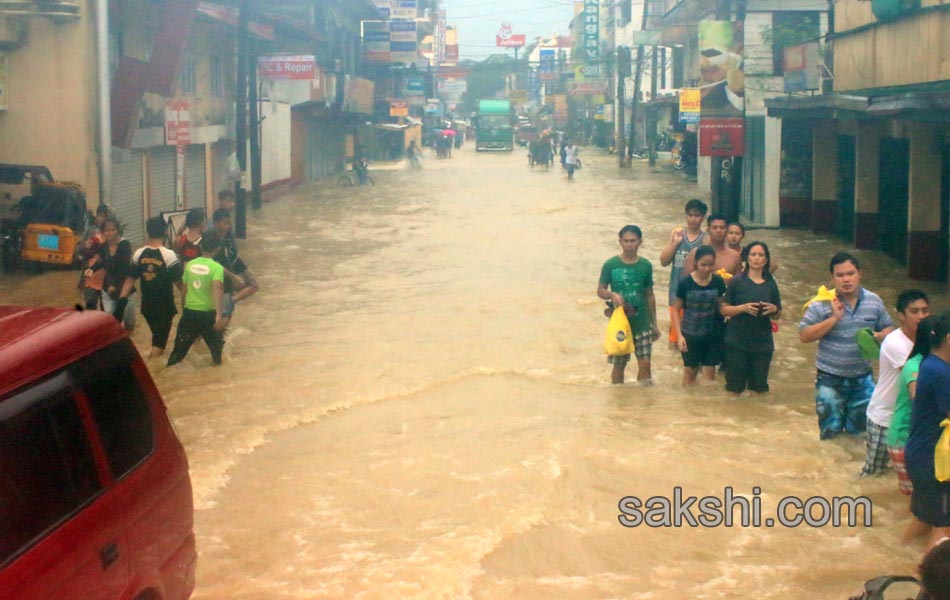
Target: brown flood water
416 405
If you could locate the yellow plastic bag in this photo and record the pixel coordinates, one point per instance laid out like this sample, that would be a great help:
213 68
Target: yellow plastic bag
824 295
726 275
942 453
618 340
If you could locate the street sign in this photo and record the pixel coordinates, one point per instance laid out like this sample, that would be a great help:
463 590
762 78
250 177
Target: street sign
177 123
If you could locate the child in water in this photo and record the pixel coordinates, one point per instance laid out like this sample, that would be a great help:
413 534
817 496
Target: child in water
699 331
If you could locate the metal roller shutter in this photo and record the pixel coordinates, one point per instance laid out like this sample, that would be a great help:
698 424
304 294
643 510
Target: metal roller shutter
326 148
195 176
161 179
127 200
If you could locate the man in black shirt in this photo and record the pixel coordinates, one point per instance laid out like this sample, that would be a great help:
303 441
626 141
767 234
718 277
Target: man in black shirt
159 269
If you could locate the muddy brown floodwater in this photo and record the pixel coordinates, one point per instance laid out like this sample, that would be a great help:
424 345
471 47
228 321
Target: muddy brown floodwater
416 405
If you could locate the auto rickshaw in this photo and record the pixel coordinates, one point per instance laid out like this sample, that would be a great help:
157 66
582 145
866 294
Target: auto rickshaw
46 225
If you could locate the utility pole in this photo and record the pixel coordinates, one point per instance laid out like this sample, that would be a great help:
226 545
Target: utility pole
240 126
636 84
623 71
255 123
651 110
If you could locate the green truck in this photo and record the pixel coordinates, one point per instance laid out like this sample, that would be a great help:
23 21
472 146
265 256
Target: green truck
493 128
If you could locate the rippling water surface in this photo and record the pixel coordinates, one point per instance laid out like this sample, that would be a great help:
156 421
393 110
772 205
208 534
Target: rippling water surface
416 405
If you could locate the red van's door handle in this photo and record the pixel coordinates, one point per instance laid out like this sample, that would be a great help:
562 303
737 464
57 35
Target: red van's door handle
108 555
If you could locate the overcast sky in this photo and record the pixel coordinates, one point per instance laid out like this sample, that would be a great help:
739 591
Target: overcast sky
478 22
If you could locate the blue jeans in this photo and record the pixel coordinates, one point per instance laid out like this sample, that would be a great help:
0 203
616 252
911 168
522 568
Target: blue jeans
842 403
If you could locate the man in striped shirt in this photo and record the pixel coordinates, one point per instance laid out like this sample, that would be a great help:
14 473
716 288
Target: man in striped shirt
844 383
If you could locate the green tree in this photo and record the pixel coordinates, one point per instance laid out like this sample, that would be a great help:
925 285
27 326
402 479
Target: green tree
485 78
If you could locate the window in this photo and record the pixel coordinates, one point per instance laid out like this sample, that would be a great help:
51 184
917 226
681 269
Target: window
790 28
47 470
217 76
188 81
119 405
626 12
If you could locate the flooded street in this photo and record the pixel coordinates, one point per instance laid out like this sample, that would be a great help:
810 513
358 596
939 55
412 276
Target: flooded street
417 404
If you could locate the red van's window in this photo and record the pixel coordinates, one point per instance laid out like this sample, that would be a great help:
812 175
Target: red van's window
118 403
47 470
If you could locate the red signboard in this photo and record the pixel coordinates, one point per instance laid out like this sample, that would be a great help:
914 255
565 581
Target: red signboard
177 123
451 52
276 68
722 137
452 72
512 41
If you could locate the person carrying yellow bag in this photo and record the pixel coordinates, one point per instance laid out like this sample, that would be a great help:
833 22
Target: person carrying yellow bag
626 281
930 498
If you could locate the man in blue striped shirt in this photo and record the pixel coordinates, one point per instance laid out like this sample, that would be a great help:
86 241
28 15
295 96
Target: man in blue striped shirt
844 384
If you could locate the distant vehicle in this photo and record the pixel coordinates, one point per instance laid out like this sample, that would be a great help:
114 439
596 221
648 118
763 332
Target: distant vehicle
526 134
48 223
493 129
95 496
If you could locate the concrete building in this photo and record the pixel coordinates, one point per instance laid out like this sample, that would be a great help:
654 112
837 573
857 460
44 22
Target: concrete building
872 158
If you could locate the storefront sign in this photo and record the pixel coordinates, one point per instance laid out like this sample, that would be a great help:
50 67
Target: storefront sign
404 9
587 87
722 137
560 110
389 41
452 72
506 39
591 31
385 8
279 68
440 38
398 108
415 86
451 53
177 123
690 105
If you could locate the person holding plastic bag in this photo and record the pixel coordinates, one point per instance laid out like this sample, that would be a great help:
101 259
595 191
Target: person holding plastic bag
626 281
930 499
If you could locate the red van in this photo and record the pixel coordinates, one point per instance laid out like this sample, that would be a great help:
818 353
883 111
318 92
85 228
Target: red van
95 497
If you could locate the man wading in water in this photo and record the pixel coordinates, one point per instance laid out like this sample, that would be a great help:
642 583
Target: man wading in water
630 281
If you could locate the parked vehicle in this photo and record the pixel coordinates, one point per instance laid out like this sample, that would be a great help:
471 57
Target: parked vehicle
95 496
526 134
46 224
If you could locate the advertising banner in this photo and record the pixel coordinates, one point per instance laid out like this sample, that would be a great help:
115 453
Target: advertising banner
506 39
801 67
722 137
547 66
534 85
398 108
690 104
280 68
720 67
591 32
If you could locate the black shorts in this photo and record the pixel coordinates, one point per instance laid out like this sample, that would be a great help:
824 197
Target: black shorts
702 351
161 326
930 502
747 370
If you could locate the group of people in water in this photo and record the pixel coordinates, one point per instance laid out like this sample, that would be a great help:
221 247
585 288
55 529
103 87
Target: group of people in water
724 307
203 265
